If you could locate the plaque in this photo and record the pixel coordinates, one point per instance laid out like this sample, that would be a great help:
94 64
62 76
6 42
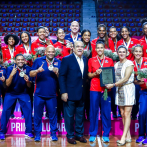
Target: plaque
107 76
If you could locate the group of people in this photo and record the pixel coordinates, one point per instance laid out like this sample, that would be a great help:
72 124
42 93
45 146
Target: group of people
72 81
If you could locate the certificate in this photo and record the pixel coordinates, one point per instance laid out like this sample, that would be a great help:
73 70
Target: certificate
107 76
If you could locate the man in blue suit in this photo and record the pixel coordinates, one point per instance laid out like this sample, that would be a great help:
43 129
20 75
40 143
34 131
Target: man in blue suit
72 78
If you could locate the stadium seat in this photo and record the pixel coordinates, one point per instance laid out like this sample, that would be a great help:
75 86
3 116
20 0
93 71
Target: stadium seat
109 25
17 11
10 20
16 30
40 15
78 7
55 15
40 20
118 29
70 11
4 11
101 20
68 30
3 20
116 20
19 15
25 20
117 25
30 11
33 15
108 20
63 11
122 15
128 15
17 24
57 11
47 20
61 20
77 15
123 20
11 15
32 24
38 7
101 15
62 15
68 24
39 24
57 7
71 7
32 20
10 25
77 19
101 11
139 25
114 11
44 11
135 15
26 15
132 25
47 24
32 29
51 7
8 29
4 15
23 11
24 24
61 25
24 29
47 15
54 30
54 20
137 20
77 11
115 15
130 20
17 20
124 24
44 7
54 25
37 11
3 24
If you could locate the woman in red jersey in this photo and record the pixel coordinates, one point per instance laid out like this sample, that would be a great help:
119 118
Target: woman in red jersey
9 50
127 41
62 44
102 34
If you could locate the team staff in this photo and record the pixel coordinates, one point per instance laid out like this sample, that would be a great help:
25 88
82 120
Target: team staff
45 70
9 50
41 41
128 42
74 35
17 81
141 63
102 34
96 93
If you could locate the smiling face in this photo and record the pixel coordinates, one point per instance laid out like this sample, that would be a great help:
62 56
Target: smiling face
61 34
122 53
46 32
50 52
41 33
101 32
78 48
145 29
25 38
138 53
100 49
113 33
11 41
20 61
74 27
125 33
86 37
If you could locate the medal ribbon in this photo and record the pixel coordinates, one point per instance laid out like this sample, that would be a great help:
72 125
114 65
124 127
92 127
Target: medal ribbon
127 44
27 49
49 62
101 64
11 53
42 41
74 39
115 44
138 67
20 70
86 47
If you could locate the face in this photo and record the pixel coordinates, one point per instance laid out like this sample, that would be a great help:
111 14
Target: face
79 49
1 60
61 34
100 49
125 33
86 37
138 52
74 27
20 61
145 29
50 52
113 33
41 33
122 53
46 32
102 32
25 37
11 41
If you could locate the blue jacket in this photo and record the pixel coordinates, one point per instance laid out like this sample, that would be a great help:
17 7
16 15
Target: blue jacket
70 77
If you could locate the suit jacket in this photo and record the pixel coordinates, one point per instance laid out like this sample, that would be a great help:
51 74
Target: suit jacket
71 80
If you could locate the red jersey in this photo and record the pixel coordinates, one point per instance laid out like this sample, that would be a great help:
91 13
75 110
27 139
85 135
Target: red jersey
93 65
143 65
132 43
111 46
144 44
37 43
6 53
142 40
65 51
21 50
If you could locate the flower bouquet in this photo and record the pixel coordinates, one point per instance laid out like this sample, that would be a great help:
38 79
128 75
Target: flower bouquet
111 55
28 56
142 73
40 51
58 53
9 63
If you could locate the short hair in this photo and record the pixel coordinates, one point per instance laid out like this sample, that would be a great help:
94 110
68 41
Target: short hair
40 27
76 22
143 22
77 42
137 45
122 46
100 41
102 25
19 55
125 27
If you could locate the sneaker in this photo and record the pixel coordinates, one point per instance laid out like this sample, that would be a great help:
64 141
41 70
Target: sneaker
144 142
37 138
29 135
54 138
92 139
105 139
2 136
140 139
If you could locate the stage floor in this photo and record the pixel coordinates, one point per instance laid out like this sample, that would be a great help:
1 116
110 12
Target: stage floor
20 141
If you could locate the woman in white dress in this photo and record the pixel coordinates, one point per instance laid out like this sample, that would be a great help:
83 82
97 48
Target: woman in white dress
125 91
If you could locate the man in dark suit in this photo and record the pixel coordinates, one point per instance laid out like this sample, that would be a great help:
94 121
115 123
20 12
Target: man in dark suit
72 80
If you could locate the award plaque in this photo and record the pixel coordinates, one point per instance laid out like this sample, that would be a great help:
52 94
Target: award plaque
107 76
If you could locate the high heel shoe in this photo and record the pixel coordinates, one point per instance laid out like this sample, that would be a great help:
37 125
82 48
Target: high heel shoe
128 140
121 144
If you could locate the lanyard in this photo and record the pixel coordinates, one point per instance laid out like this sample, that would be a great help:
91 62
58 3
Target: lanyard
74 39
86 47
115 44
27 49
101 64
127 44
11 53
49 62
139 64
20 70
43 41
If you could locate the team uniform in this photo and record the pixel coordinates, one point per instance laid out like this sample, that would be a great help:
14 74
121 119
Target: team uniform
7 53
45 94
96 98
93 43
38 43
143 42
17 90
142 100
130 44
65 51
71 39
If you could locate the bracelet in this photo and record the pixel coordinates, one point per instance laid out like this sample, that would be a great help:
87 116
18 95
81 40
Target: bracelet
114 84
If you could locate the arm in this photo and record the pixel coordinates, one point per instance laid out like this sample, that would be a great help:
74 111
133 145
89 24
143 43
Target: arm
92 75
26 78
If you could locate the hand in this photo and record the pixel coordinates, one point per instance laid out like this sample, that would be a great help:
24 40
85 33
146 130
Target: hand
2 78
56 70
26 78
48 42
40 69
142 79
98 71
64 97
109 86
14 70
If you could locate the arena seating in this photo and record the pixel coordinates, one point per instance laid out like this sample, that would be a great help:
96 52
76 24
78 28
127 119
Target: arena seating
15 17
122 12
